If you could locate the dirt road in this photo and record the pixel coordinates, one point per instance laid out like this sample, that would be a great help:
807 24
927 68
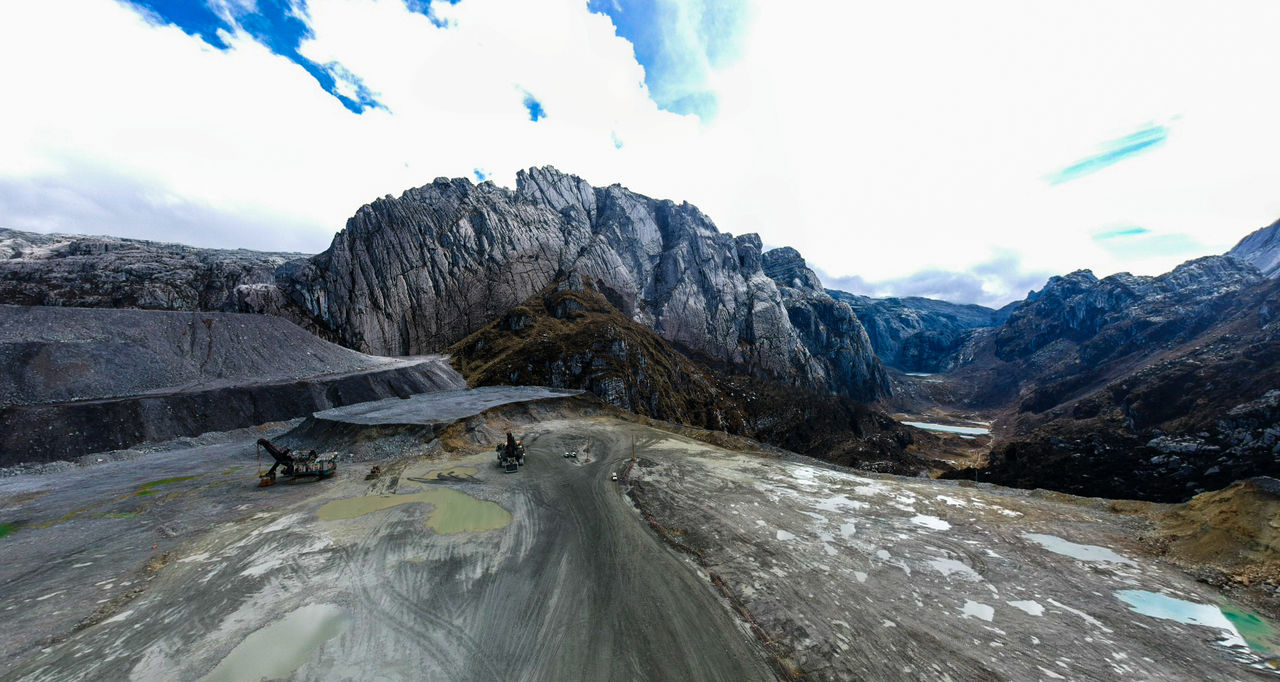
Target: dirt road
257 582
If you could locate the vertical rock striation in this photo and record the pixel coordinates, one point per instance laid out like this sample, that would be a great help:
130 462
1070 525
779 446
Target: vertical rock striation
1261 249
827 327
416 273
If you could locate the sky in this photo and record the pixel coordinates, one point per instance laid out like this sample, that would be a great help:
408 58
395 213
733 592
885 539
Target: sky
963 151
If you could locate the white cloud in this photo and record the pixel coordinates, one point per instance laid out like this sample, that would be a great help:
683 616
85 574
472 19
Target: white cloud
879 139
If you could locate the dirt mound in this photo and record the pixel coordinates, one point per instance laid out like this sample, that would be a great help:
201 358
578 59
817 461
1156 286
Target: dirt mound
75 380
1235 530
52 354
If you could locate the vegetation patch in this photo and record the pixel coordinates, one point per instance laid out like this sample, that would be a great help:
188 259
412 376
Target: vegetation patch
570 336
7 529
163 481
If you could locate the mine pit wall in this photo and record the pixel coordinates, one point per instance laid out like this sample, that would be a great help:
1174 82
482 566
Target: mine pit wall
45 433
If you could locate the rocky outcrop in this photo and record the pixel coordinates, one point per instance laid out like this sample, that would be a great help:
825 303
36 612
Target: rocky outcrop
1261 249
1148 387
110 272
916 334
1079 308
569 336
1079 332
827 327
416 273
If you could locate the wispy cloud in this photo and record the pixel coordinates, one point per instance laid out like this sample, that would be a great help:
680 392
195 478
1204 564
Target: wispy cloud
1119 232
1112 152
992 283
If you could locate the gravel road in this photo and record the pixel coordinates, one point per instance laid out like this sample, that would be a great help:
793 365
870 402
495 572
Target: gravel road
214 577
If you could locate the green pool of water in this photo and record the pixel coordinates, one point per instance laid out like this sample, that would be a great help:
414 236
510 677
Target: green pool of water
451 511
1239 626
1258 633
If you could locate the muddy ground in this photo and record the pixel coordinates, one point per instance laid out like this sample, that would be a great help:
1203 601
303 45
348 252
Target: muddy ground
444 567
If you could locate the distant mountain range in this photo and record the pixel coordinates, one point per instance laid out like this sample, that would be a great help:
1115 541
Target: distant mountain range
1126 386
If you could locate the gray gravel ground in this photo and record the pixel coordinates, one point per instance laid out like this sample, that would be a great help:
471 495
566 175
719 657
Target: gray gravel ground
53 354
880 577
847 576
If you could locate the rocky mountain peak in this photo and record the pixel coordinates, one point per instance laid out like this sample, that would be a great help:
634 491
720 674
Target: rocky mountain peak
1261 249
416 273
786 266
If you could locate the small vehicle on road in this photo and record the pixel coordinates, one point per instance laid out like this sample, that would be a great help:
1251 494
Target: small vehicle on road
613 476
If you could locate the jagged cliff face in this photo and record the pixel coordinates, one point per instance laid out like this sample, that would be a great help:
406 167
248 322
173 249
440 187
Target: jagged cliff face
1261 249
416 273
919 334
569 336
827 327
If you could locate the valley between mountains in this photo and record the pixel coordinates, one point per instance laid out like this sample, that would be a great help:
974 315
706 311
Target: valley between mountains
732 472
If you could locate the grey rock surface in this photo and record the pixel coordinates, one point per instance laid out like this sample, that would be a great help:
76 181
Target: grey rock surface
1261 249
1081 308
917 334
111 272
827 327
416 273
51 354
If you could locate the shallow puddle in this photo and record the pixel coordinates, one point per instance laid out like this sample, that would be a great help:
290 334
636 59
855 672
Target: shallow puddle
1165 607
278 649
451 511
1257 633
1057 545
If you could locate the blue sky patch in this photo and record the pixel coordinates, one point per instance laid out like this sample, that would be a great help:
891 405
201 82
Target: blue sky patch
678 44
531 103
481 176
194 18
278 24
1112 151
617 141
